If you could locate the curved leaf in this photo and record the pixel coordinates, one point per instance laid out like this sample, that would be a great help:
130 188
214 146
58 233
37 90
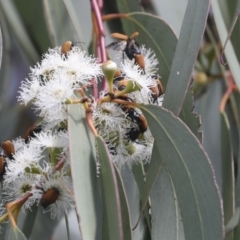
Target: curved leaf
29 221
191 173
126 224
133 198
233 222
227 172
16 234
229 51
16 24
166 218
30 11
125 6
186 53
156 34
112 219
59 25
1 47
190 118
83 170
72 8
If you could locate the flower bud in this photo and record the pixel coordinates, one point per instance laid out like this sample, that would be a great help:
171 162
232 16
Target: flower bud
109 69
201 78
129 86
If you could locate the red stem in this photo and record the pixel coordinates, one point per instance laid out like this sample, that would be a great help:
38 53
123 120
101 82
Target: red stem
227 94
101 52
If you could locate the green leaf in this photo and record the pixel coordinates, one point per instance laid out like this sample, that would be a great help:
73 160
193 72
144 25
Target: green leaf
190 118
83 170
157 35
16 234
133 197
29 221
30 11
59 24
191 173
1 47
112 219
229 51
111 6
166 218
186 53
15 22
126 224
139 175
237 232
227 172
233 222
73 9
125 6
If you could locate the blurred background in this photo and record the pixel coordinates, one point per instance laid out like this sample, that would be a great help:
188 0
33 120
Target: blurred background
29 28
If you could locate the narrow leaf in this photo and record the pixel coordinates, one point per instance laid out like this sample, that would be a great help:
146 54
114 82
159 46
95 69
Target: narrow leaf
29 221
229 51
112 219
126 224
190 118
19 30
72 8
83 170
228 189
125 6
191 173
186 53
59 25
166 219
16 234
133 198
233 222
1 47
156 34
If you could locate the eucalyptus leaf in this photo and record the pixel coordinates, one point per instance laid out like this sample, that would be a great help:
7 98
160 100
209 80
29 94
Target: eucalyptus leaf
83 170
30 11
191 172
73 8
1 47
139 175
228 189
16 234
229 51
29 221
166 218
125 6
111 6
59 24
190 118
233 222
133 198
126 223
112 219
157 35
186 53
15 22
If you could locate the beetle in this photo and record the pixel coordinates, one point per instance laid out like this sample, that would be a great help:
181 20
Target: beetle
2 166
158 89
66 47
31 132
138 119
8 149
129 46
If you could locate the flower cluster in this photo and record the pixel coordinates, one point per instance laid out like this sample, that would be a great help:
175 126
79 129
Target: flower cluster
36 169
